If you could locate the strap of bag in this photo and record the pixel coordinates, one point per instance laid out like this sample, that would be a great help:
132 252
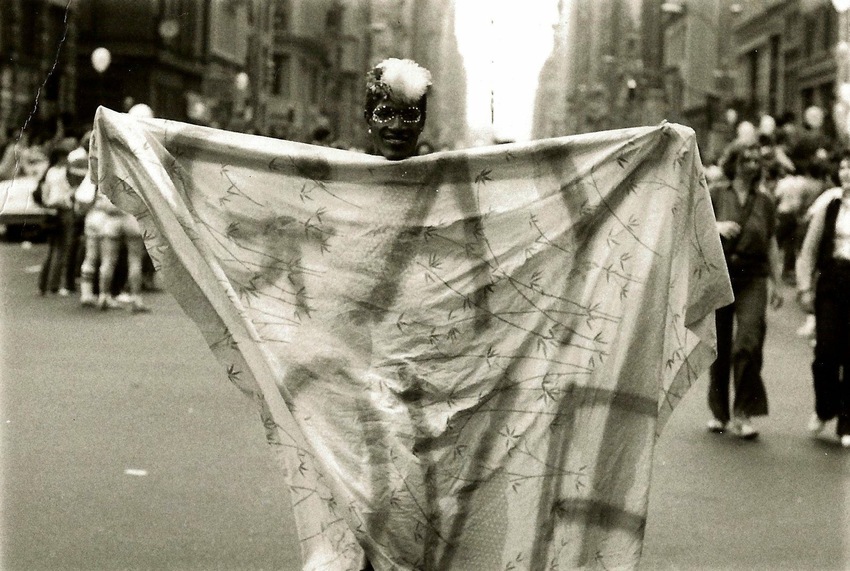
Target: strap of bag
748 209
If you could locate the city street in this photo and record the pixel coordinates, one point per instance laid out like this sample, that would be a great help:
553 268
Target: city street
124 446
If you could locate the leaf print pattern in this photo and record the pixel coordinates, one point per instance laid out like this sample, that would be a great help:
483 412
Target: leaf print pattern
455 364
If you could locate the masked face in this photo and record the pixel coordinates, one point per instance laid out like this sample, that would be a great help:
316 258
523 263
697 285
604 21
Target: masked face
395 128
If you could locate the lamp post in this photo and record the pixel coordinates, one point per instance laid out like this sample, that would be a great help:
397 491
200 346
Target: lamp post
100 60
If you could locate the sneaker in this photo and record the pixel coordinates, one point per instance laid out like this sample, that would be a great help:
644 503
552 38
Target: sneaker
105 302
807 329
124 297
88 300
744 429
845 441
64 292
816 425
136 306
716 426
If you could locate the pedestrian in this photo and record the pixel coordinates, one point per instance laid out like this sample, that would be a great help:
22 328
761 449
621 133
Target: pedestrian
57 193
794 193
107 228
396 100
823 283
746 221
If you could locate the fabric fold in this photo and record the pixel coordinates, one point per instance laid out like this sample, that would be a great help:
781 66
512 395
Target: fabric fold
463 360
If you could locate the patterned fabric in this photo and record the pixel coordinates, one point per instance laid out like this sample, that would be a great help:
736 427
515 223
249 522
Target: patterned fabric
462 359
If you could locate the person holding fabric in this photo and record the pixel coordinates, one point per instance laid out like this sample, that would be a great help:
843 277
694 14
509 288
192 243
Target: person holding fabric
396 99
440 396
823 282
746 221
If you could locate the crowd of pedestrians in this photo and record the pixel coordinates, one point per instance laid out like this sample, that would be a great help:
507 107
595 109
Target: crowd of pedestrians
781 197
94 250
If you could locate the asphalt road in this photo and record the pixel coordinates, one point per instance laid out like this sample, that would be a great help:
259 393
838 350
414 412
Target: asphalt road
125 447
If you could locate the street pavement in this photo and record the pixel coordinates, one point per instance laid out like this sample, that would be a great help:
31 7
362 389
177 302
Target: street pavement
124 446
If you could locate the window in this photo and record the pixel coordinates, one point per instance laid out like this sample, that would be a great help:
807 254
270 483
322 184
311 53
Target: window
282 16
755 84
315 85
830 30
281 75
810 32
27 30
773 79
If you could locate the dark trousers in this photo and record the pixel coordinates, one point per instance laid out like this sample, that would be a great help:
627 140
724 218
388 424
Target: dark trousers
786 238
56 271
831 366
741 328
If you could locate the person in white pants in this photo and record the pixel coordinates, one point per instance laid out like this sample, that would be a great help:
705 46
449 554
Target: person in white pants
106 227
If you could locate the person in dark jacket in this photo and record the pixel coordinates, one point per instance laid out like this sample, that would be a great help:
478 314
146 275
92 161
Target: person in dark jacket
746 221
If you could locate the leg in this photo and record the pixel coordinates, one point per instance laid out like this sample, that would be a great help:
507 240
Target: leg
73 269
843 428
831 333
109 249
57 245
748 348
718 388
66 254
135 258
47 266
826 364
89 270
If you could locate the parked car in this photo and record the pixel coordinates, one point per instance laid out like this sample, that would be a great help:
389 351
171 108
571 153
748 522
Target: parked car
20 216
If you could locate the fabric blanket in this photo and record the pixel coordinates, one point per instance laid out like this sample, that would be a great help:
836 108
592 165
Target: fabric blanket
463 360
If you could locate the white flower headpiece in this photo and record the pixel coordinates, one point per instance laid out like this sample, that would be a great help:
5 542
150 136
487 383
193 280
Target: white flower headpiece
401 79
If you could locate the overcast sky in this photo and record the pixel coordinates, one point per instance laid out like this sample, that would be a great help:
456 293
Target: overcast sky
504 44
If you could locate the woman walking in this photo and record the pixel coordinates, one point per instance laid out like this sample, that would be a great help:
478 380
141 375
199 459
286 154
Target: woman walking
746 221
823 283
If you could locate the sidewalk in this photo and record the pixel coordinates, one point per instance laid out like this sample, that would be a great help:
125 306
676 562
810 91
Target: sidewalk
777 503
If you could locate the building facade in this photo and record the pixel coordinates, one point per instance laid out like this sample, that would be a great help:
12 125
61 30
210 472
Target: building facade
595 66
37 64
434 45
760 57
275 67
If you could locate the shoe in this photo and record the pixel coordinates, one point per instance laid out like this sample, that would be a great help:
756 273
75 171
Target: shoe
807 329
744 429
124 297
816 425
88 300
845 441
137 306
105 302
64 292
716 426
